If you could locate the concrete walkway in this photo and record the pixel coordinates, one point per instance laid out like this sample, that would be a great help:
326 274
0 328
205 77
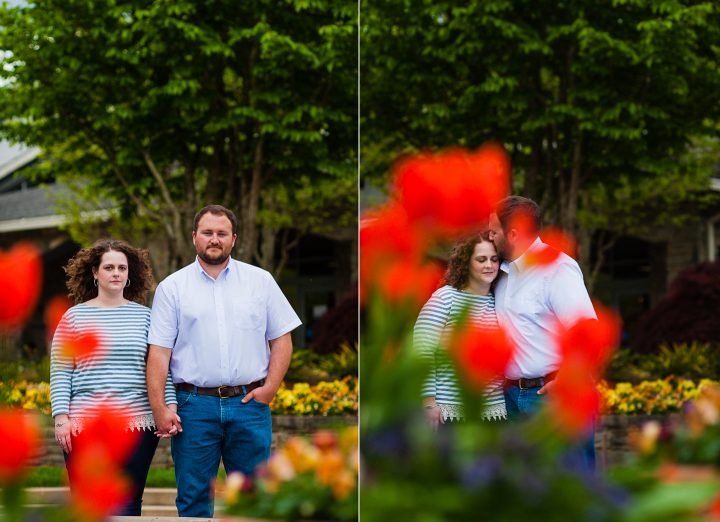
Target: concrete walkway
158 505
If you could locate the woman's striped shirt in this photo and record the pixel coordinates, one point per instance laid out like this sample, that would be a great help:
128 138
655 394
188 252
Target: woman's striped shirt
113 374
435 322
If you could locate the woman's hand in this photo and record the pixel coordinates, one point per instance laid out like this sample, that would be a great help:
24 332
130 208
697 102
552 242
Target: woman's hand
63 434
433 413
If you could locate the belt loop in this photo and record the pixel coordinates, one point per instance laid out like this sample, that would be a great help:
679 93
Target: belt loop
244 389
195 390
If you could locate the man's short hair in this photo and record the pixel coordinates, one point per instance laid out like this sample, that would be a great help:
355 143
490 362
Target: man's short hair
216 210
521 213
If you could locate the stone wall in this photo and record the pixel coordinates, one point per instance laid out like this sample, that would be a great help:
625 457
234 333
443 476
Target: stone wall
612 444
283 427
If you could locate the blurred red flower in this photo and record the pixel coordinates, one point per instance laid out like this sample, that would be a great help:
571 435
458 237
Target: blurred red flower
574 401
481 354
325 439
452 191
585 348
541 256
81 344
54 311
407 281
592 341
20 282
560 240
386 237
99 487
106 432
20 436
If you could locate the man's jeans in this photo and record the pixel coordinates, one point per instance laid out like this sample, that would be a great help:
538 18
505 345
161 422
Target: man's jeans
521 404
214 427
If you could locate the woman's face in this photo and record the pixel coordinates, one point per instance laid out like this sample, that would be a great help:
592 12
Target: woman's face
484 263
112 274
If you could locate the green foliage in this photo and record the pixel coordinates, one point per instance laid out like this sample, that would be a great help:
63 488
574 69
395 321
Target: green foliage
56 476
689 360
25 370
309 366
605 107
162 107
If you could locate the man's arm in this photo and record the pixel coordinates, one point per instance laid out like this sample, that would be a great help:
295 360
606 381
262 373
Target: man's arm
280 356
158 363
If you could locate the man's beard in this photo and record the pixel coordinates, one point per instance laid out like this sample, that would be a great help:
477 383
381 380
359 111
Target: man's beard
219 260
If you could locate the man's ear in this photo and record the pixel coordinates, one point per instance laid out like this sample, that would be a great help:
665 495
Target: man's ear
512 236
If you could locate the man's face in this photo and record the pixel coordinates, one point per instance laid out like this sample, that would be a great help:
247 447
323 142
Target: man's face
214 239
497 236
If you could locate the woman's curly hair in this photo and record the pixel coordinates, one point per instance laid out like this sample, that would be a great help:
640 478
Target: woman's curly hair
80 279
458 268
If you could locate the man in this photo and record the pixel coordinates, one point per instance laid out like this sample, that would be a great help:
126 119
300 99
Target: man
531 300
212 322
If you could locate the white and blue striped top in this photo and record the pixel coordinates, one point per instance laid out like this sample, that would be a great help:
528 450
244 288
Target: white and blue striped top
114 374
435 322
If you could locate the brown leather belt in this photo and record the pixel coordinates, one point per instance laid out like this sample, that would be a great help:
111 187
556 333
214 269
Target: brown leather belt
224 392
537 382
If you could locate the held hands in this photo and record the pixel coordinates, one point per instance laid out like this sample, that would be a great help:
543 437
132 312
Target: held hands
63 432
168 422
262 394
547 387
433 413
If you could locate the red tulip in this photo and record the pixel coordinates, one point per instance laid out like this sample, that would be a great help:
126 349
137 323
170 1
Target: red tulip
585 348
574 401
406 281
82 344
20 442
592 341
481 354
99 487
54 311
106 433
560 240
453 191
325 439
20 282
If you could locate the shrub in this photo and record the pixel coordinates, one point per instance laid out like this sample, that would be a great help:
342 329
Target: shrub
338 326
687 313
690 360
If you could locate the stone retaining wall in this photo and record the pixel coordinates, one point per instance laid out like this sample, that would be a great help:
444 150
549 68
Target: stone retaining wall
611 436
283 427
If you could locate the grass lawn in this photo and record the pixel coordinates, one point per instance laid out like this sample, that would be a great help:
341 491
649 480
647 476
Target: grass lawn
52 476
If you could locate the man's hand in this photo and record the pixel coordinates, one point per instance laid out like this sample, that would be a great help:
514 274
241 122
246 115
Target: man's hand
262 394
169 423
548 387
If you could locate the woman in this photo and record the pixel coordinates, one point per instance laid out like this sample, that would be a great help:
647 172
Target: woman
472 268
108 281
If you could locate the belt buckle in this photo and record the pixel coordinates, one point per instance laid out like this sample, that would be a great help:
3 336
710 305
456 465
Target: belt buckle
220 393
534 383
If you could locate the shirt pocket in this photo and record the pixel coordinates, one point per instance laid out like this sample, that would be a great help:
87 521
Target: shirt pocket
249 313
529 303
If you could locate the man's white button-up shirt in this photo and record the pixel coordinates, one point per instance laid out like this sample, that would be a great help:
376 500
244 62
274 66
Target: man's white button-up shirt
532 302
218 329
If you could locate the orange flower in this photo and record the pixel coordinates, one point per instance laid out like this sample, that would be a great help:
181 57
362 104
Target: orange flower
325 439
330 465
82 344
343 484
54 311
482 354
20 282
452 191
303 455
20 436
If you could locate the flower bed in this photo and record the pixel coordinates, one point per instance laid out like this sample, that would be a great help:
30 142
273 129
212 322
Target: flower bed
649 397
325 398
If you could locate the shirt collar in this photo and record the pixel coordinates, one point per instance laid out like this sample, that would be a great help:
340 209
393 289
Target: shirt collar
521 262
202 271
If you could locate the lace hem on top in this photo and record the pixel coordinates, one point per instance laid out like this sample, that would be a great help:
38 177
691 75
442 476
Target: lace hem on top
455 412
142 422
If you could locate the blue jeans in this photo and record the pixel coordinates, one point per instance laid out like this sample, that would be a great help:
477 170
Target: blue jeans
213 428
521 404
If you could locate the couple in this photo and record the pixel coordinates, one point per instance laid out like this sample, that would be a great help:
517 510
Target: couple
527 300
201 367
